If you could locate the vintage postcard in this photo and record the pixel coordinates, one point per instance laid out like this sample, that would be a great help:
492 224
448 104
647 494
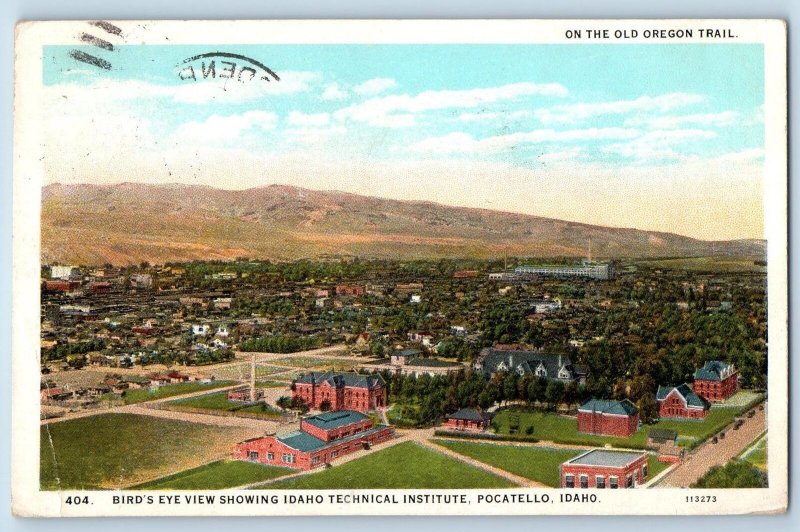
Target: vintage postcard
507 267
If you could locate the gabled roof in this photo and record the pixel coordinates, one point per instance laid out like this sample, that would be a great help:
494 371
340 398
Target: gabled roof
525 362
713 370
332 420
623 408
467 414
685 391
341 380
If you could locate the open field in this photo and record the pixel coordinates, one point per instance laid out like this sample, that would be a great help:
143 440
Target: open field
114 450
714 264
404 466
536 463
757 455
314 362
219 475
563 429
169 390
219 401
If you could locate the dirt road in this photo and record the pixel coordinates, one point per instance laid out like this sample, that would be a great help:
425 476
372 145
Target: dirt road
710 454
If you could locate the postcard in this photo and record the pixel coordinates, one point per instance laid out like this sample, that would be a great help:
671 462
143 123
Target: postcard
484 267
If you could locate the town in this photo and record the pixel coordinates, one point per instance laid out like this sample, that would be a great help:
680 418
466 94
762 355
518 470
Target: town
607 374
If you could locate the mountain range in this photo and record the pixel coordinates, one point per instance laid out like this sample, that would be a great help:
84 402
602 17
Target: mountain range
129 223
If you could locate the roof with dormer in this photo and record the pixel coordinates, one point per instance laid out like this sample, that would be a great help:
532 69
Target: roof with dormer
714 370
342 379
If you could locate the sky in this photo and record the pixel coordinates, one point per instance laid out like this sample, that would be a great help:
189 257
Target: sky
656 137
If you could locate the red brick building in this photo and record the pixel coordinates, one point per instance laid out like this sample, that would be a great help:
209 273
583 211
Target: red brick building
680 402
467 419
341 391
605 469
353 290
716 381
609 418
320 440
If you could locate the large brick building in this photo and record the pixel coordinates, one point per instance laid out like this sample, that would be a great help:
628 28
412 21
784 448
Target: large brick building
543 365
605 469
609 418
341 391
680 402
716 381
319 440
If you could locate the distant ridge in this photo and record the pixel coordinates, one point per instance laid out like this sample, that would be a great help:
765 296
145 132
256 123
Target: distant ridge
128 223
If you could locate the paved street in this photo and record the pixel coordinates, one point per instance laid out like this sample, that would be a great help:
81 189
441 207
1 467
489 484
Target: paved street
710 454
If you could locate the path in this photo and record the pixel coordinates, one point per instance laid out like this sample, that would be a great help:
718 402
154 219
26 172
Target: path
710 454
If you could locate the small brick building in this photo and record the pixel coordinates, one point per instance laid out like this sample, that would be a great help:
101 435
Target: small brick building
467 419
605 469
609 418
319 440
680 402
341 391
716 381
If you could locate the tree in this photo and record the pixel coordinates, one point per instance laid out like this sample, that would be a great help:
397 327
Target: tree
554 393
734 474
325 405
648 409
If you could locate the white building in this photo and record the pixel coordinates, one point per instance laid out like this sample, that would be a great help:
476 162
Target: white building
64 273
200 330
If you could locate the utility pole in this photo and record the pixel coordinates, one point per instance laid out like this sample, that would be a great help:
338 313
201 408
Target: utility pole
253 378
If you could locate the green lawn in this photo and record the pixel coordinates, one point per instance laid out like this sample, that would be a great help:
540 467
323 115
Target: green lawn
758 456
219 401
536 463
219 475
562 429
405 466
117 449
169 390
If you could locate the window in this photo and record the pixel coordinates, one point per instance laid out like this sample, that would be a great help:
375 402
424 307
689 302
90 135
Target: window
315 460
569 481
584 481
644 471
629 481
613 483
334 454
600 481
270 456
252 455
288 458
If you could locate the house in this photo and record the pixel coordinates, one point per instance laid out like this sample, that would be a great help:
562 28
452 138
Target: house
177 377
54 394
544 306
468 419
545 365
244 395
319 440
61 286
223 303
222 331
415 298
680 402
352 290
425 338
141 280
465 274
605 469
609 418
65 273
200 330
716 381
401 358
100 287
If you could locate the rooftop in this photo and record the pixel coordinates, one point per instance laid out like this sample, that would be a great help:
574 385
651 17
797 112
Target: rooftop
302 441
332 420
602 457
623 408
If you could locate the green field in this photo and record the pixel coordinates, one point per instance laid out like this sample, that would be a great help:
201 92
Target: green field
536 463
404 466
563 429
314 362
110 450
219 401
758 455
169 390
223 474
718 264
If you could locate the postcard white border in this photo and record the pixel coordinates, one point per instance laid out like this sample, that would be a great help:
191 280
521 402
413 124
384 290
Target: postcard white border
28 178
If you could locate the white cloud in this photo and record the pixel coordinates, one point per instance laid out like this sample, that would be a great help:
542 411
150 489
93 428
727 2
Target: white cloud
465 143
384 111
570 154
333 92
657 145
486 116
571 113
217 128
723 119
297 118
375 86
749 155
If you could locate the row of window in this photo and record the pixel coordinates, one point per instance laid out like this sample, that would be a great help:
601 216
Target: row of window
600 480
